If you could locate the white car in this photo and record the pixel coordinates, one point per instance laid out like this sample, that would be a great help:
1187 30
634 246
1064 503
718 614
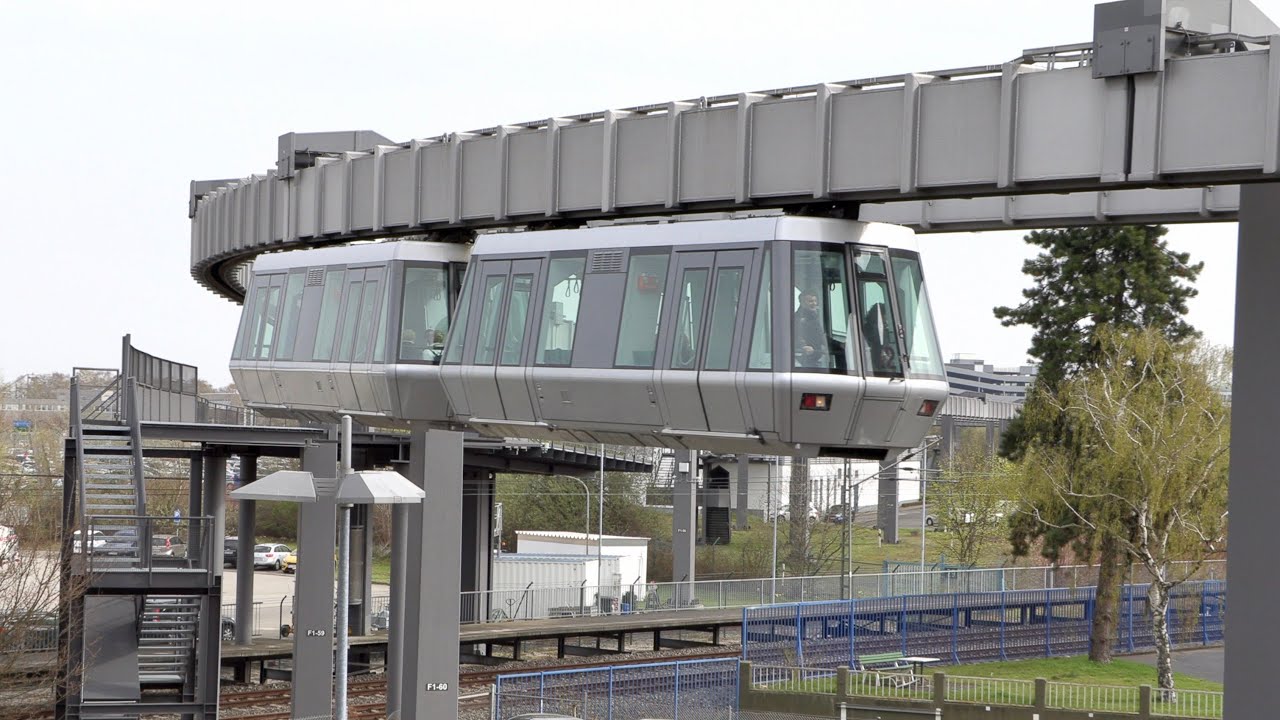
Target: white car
8 543
271 556
96 540
785 513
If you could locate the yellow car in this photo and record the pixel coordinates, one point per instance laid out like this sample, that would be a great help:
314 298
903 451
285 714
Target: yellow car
290 562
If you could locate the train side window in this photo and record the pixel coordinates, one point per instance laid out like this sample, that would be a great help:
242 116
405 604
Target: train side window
517 315
761 354
268 321
330 303
380 340
424 320
247 320
490 309
458 331
880 352
289 315
350 310
560 310
724 317
819 328
369 305
917 320
641 309
693 294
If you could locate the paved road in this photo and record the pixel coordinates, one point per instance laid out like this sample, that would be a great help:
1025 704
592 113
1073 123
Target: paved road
908 517
270 588
1204 663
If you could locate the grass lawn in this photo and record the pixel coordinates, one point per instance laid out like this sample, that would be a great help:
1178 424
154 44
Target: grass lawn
382 569
1079 670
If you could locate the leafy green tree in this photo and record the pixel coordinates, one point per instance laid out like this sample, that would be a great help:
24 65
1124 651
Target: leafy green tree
1153 435
1088 278
1091 277
972 501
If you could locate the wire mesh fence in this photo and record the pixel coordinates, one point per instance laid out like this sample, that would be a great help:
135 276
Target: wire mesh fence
690 690
971 627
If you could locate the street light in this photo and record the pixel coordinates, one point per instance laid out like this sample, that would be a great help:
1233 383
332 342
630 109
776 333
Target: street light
586 518
365 487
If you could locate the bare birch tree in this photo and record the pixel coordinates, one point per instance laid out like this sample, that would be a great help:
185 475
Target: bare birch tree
1156 429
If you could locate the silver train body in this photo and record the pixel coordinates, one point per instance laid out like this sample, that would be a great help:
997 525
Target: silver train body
777 335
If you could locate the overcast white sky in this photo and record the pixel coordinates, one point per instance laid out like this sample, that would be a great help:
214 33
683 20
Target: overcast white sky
110 108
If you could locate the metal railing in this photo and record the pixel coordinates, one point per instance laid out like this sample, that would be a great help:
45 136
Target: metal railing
255 625
890 684
1074 696
990 691
775 678
98 394
567 600
149 542
1186 703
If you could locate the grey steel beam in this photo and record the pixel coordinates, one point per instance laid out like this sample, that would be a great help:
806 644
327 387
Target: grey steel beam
246 535
214 491
744 480
395 638
1212 203
360 578
195 498
684 525
313 584
429 681
887 508
997 130
1252 634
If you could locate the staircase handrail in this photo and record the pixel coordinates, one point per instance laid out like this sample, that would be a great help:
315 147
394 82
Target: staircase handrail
106 400
135 438
77 432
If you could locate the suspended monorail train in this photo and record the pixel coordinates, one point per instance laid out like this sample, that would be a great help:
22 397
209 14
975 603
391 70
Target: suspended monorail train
777 335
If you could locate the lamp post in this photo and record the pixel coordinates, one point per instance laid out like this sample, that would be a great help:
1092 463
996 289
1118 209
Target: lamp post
600 531
586 530
773 510
377 487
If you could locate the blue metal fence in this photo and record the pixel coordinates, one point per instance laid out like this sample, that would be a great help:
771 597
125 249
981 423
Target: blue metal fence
681 690
971 626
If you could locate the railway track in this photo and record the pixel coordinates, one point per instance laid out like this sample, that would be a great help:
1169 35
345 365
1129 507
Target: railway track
469 685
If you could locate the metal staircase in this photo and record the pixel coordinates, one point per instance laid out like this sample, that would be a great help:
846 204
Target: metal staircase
113 495
167 636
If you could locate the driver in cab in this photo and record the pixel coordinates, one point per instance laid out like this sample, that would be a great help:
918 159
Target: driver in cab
810 336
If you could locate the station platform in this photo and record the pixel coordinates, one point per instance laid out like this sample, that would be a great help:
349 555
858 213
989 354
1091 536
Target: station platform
477 643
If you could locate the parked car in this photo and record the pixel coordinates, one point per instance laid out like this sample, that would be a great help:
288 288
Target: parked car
96 540
8 543
228 629
785 513
270 556
168 546
291 562
836 514
230 551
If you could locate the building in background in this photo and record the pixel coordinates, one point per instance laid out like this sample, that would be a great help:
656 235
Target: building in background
970 376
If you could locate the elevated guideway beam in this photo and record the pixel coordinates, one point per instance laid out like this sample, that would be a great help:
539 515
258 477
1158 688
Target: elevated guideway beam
1041 123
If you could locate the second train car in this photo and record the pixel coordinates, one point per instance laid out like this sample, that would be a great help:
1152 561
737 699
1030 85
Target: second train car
777 335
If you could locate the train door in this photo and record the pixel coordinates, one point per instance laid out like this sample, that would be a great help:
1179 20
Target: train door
479 381
511 371
348 328
825 389
720 378
880 349
756 381
368 374
267 325
677 376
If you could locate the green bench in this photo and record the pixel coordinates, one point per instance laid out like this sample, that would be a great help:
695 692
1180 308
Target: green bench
883 661
899 672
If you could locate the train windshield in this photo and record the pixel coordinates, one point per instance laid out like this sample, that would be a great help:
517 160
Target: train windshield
424 321
924 357
820 323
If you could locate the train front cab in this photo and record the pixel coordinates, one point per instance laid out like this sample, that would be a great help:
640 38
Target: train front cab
735 336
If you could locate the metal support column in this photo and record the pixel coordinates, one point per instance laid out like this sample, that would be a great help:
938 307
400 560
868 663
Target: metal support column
360 584
993 438
947 445
684 525
744 482
213 499
477 542
244 554
1252 634
429 682
209 643
887 509
395 620
313 587
195 497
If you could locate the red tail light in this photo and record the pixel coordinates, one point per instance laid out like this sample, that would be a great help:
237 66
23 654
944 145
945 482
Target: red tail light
928 407
815 401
